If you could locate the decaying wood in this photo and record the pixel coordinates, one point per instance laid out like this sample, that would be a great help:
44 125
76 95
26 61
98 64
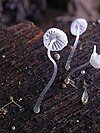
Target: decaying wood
25 70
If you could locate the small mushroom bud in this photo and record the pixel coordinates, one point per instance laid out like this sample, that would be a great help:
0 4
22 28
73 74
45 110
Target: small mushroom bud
78 27
57 56
95 59
85 97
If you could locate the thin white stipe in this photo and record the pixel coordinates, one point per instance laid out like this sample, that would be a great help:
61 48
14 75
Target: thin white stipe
67 66
41 97
78 27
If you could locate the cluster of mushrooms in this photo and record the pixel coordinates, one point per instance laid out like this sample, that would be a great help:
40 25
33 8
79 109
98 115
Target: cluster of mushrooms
55 40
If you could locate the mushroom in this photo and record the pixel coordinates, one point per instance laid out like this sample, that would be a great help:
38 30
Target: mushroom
95 59
78 27
57 56
85 96
54 40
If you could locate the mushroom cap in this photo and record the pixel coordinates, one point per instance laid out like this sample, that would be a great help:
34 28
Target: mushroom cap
95 59
59 37
82 25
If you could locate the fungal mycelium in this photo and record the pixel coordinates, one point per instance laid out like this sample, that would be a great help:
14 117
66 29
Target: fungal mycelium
54 40
78 27
68 78
9 103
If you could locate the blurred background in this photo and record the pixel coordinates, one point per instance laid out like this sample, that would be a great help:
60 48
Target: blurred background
42 12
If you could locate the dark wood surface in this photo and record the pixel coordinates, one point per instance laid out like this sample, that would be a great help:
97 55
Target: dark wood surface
25 70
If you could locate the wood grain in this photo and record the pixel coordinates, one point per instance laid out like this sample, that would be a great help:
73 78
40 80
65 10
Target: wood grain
25 70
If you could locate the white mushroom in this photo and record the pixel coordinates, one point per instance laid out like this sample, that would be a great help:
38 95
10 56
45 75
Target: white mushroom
85 96
95 59
57 56
78 27
54 40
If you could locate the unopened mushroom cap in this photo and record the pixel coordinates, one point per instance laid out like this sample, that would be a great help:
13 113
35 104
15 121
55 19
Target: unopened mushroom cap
59 37
82 23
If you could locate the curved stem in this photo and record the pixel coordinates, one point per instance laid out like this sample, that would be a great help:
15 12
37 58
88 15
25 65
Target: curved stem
38 103
74 70
67 66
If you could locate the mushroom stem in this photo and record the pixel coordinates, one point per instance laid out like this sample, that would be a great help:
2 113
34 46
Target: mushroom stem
94 50
67 66
74 70
38 103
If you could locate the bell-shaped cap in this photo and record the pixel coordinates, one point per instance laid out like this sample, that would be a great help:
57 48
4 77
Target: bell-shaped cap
57 37
82 23
95 59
